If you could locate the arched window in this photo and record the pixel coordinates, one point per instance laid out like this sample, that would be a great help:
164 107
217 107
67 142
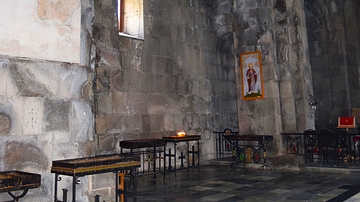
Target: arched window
131 18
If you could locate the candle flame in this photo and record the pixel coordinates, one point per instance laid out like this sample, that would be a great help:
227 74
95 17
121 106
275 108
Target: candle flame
181 134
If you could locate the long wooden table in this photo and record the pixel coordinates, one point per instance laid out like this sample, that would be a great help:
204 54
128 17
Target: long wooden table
11 181
80 167
145 143
187 138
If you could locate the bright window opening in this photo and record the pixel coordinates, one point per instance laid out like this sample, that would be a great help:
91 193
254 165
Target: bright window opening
131 18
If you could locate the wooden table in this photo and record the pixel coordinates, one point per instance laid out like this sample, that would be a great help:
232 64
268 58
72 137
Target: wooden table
80 167
144 143
11 181
262 139
187 138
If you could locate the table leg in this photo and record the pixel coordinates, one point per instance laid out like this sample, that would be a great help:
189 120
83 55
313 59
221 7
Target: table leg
198 144
16 198
235 146
154 162
135 185
265 166
159 160
117 195
175 158
164 162
55 191
188 156
74 189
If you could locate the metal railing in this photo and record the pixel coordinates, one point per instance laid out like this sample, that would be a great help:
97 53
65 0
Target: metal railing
324 147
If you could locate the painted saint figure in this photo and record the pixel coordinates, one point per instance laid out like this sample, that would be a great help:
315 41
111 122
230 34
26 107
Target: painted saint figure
251 76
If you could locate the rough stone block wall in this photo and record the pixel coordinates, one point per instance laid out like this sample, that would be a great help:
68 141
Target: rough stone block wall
277 29
177 78
45 117
183 75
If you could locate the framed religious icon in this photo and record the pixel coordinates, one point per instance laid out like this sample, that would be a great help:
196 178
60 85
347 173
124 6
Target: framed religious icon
251 76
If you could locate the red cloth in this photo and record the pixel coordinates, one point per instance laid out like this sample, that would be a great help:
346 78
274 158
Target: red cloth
346 122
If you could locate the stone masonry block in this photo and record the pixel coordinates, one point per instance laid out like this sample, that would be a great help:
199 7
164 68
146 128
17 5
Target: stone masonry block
157 122
136 103
178 32
288 106
56 115
289 123
25 155
203 104
170 81
5 124
169 122
179 121
167 47
132 79
105 142
146 123
100 125
133 122
157 104
286 89
33 112
119 102
161 28
117 80
151 45
158 83
4 76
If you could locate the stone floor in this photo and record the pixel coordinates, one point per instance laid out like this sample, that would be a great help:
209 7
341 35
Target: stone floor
219 183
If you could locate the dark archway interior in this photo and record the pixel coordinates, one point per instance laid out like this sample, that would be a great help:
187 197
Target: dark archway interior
333 36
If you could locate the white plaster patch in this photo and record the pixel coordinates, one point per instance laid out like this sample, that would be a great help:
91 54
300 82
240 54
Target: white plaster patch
24 34
82 121
72 81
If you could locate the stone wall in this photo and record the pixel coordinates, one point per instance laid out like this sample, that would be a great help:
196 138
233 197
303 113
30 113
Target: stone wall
179 77
45 115
333 30
176 78
46 90
184 75
277 29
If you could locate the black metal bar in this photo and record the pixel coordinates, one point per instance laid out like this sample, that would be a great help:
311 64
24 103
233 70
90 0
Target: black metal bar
198 143
16 198
188 154
56 186
125 190
181 157
164 162
154 161
135 184
65 195
175 158
193 155
117 186
74 189
97 198
169 167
